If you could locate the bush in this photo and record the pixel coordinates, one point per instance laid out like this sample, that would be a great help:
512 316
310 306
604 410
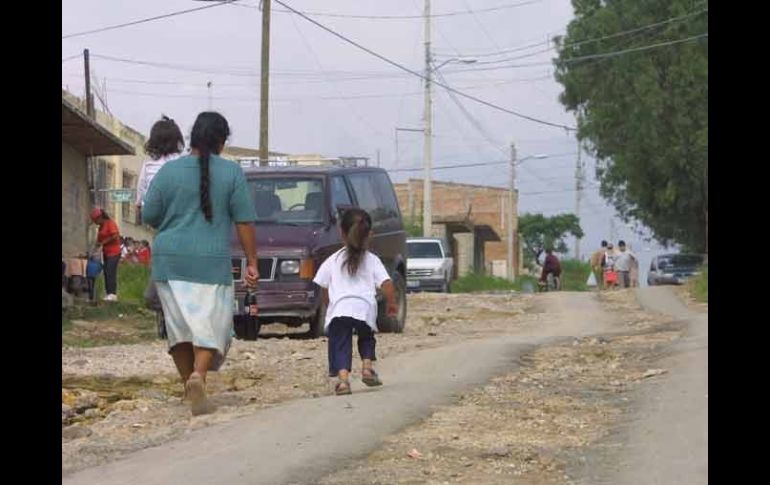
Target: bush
700 285
574 275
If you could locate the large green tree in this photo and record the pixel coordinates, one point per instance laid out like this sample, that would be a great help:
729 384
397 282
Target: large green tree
643 110
539 232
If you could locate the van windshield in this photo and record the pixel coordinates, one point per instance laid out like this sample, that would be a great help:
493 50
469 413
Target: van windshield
424 250
288 200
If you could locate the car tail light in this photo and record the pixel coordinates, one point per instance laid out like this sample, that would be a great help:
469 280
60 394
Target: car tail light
306 269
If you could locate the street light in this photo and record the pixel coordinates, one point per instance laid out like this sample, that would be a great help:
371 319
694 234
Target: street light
511 192
457 60
427 207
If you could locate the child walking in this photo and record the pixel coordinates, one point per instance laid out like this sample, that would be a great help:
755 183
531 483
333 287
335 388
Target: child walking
349 279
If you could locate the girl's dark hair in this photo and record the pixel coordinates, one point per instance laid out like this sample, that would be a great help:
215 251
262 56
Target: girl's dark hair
165 139
356 224
104 214
209 134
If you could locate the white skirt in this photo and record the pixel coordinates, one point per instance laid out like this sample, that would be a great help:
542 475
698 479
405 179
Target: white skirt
198 313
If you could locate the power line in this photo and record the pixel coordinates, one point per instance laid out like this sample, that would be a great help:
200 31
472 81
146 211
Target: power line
145 20
396 17
586 41
415 73
69 58
477 164
592 56
635 49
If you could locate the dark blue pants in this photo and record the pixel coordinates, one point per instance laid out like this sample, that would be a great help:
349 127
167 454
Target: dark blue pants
340 333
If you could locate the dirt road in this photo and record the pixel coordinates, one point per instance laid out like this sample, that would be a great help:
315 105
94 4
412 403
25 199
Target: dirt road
666 438
304 440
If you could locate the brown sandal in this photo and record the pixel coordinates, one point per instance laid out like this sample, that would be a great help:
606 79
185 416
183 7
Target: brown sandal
342 388
370 380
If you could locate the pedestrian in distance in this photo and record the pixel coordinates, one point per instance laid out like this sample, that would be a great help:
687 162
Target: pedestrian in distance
108 240
624 262
349 279
596 264
608 266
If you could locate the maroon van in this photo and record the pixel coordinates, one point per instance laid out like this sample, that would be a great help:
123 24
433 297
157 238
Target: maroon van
297 212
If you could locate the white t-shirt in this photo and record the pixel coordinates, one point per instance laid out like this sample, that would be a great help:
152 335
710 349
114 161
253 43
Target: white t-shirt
352 296
149 169
609 260
624 260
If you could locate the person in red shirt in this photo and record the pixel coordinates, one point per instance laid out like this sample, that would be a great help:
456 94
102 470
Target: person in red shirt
551 265
143 254
108 238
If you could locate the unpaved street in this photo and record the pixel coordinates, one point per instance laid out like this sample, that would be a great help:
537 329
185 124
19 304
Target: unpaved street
481 389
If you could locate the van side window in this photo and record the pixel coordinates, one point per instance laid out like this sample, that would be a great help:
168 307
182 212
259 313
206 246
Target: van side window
387 197
366 194
340 194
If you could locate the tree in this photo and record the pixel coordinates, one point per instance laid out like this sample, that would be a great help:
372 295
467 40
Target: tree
643 113
539 232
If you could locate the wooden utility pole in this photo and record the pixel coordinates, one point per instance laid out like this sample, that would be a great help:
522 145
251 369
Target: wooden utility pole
427 198
264 93
89 96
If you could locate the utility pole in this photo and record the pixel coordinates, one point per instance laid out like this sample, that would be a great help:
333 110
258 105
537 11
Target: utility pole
89 96
378 158
208 85
578 194
264 93
509 225
427 209
612 230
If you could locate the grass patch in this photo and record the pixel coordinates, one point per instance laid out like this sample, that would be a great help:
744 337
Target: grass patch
478 282
124 322
700 285
573 278
132 281
574 275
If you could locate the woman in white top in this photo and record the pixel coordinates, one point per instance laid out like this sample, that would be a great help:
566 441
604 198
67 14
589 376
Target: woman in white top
165 144
349 279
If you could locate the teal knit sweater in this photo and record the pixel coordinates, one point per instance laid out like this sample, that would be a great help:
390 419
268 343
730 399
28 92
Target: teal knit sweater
186 246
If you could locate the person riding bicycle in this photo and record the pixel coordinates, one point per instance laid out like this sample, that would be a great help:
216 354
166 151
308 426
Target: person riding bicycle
551 265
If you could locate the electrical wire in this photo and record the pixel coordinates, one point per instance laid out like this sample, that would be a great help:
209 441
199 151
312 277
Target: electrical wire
415 73
395 17
145 20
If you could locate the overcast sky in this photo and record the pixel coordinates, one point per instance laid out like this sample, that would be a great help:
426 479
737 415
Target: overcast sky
328 97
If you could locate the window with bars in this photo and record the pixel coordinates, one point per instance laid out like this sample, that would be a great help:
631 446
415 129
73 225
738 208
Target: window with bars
129 209
105 179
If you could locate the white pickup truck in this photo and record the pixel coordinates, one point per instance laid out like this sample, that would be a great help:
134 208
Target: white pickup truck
429 265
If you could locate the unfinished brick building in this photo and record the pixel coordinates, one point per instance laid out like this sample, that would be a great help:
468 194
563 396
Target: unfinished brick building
472 218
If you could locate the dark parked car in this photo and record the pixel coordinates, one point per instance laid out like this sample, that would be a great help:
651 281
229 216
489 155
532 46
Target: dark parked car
673 269
297 210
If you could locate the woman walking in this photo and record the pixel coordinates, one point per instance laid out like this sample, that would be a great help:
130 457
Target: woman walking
349 279
193 203
108 238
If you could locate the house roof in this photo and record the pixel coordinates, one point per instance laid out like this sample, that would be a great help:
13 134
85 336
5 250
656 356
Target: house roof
234 151
87 136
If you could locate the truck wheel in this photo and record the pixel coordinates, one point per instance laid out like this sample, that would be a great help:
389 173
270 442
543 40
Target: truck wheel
317 322
160 320
395 325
